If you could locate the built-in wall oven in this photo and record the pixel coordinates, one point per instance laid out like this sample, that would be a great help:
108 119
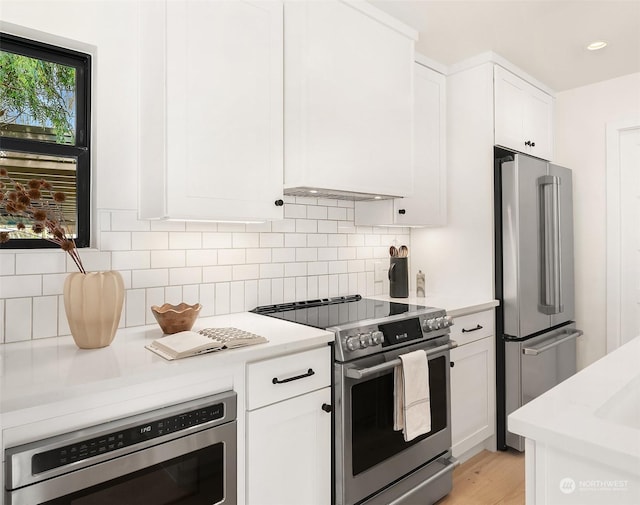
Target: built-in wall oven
373 464
183 454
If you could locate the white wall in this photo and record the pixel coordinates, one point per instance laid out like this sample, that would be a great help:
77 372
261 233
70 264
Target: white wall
316 251
582 115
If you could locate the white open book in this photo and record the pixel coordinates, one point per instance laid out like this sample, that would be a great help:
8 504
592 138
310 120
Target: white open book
193 343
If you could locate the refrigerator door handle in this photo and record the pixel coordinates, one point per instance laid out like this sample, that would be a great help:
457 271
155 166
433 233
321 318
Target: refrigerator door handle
550 245
534 351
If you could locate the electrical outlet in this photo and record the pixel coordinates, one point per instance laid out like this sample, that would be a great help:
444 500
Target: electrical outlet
379 271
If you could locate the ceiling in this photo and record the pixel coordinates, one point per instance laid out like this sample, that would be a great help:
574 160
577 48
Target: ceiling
545 38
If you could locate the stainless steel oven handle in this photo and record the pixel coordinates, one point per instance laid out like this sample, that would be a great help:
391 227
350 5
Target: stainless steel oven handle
355 373
532 351
451 464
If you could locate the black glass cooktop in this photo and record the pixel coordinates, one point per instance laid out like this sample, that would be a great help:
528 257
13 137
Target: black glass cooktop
339 311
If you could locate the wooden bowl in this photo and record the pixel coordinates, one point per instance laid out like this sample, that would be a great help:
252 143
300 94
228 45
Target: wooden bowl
175 318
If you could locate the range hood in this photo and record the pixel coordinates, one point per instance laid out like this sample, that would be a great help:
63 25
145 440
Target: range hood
335 194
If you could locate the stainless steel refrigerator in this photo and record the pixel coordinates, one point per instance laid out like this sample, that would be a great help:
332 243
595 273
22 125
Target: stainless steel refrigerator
536 348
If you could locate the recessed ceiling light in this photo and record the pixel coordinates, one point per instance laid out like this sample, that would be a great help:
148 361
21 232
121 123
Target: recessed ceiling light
598 44
314 191
377 198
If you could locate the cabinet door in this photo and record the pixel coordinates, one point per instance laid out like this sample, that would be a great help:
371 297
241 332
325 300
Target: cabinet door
289 452
223 112
428 205
472 394
523 115
348 99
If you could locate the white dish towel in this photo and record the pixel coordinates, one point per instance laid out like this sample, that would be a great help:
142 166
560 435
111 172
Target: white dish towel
412 407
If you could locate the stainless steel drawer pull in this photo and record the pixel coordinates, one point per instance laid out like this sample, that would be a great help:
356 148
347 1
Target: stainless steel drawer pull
534 351
478 327
309 373
355 373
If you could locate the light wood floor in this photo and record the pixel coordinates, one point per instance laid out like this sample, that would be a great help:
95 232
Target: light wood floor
489 478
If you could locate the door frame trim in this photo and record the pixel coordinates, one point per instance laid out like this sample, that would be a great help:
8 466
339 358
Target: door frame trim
613 232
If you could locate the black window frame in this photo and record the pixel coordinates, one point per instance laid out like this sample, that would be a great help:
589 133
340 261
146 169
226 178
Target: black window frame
81 151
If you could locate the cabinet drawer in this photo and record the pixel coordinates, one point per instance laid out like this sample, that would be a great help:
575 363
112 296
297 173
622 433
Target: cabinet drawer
277 379
472 327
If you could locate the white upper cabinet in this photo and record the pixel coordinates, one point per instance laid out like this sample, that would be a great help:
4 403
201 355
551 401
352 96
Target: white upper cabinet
523 115
428 205
211 102
348 99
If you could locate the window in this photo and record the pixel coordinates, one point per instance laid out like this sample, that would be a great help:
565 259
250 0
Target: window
45 96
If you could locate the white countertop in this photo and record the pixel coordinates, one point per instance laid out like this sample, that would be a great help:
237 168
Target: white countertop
455 305
594 414
38 372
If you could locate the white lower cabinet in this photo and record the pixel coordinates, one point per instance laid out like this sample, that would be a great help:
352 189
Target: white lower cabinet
473 383
288 428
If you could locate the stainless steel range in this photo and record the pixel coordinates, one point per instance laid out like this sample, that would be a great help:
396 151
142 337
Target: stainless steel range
373 464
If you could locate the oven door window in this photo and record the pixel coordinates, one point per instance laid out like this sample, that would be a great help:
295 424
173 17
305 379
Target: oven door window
373 437
193 479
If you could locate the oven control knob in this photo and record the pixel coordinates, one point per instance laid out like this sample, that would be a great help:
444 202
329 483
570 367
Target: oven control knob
365 340
448 321
352 343
429 325
378 337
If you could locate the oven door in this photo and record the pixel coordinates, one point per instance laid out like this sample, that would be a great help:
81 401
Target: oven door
370 455
195 469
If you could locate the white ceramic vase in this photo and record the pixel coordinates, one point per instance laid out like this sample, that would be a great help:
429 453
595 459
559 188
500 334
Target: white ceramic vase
93 304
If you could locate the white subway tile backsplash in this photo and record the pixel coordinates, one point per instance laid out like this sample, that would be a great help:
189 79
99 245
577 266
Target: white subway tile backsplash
237 297
317 240
223 302
295 211
18 319
217 273
116 240
185 240
130 260
50 262
135 307
259 255
316 212
316 251
207 299
45 320
52 284
337 213
306 226
250 295
154 296
149 278
20 286
271 270
245 272
169 259
295 269
307 254
295 239
231 227
264 292
284 226
244 240
231 256
191 294
168 226
185 275
202 257
7 263
150 240
277 290
127 220
327 253
271 240
327 226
